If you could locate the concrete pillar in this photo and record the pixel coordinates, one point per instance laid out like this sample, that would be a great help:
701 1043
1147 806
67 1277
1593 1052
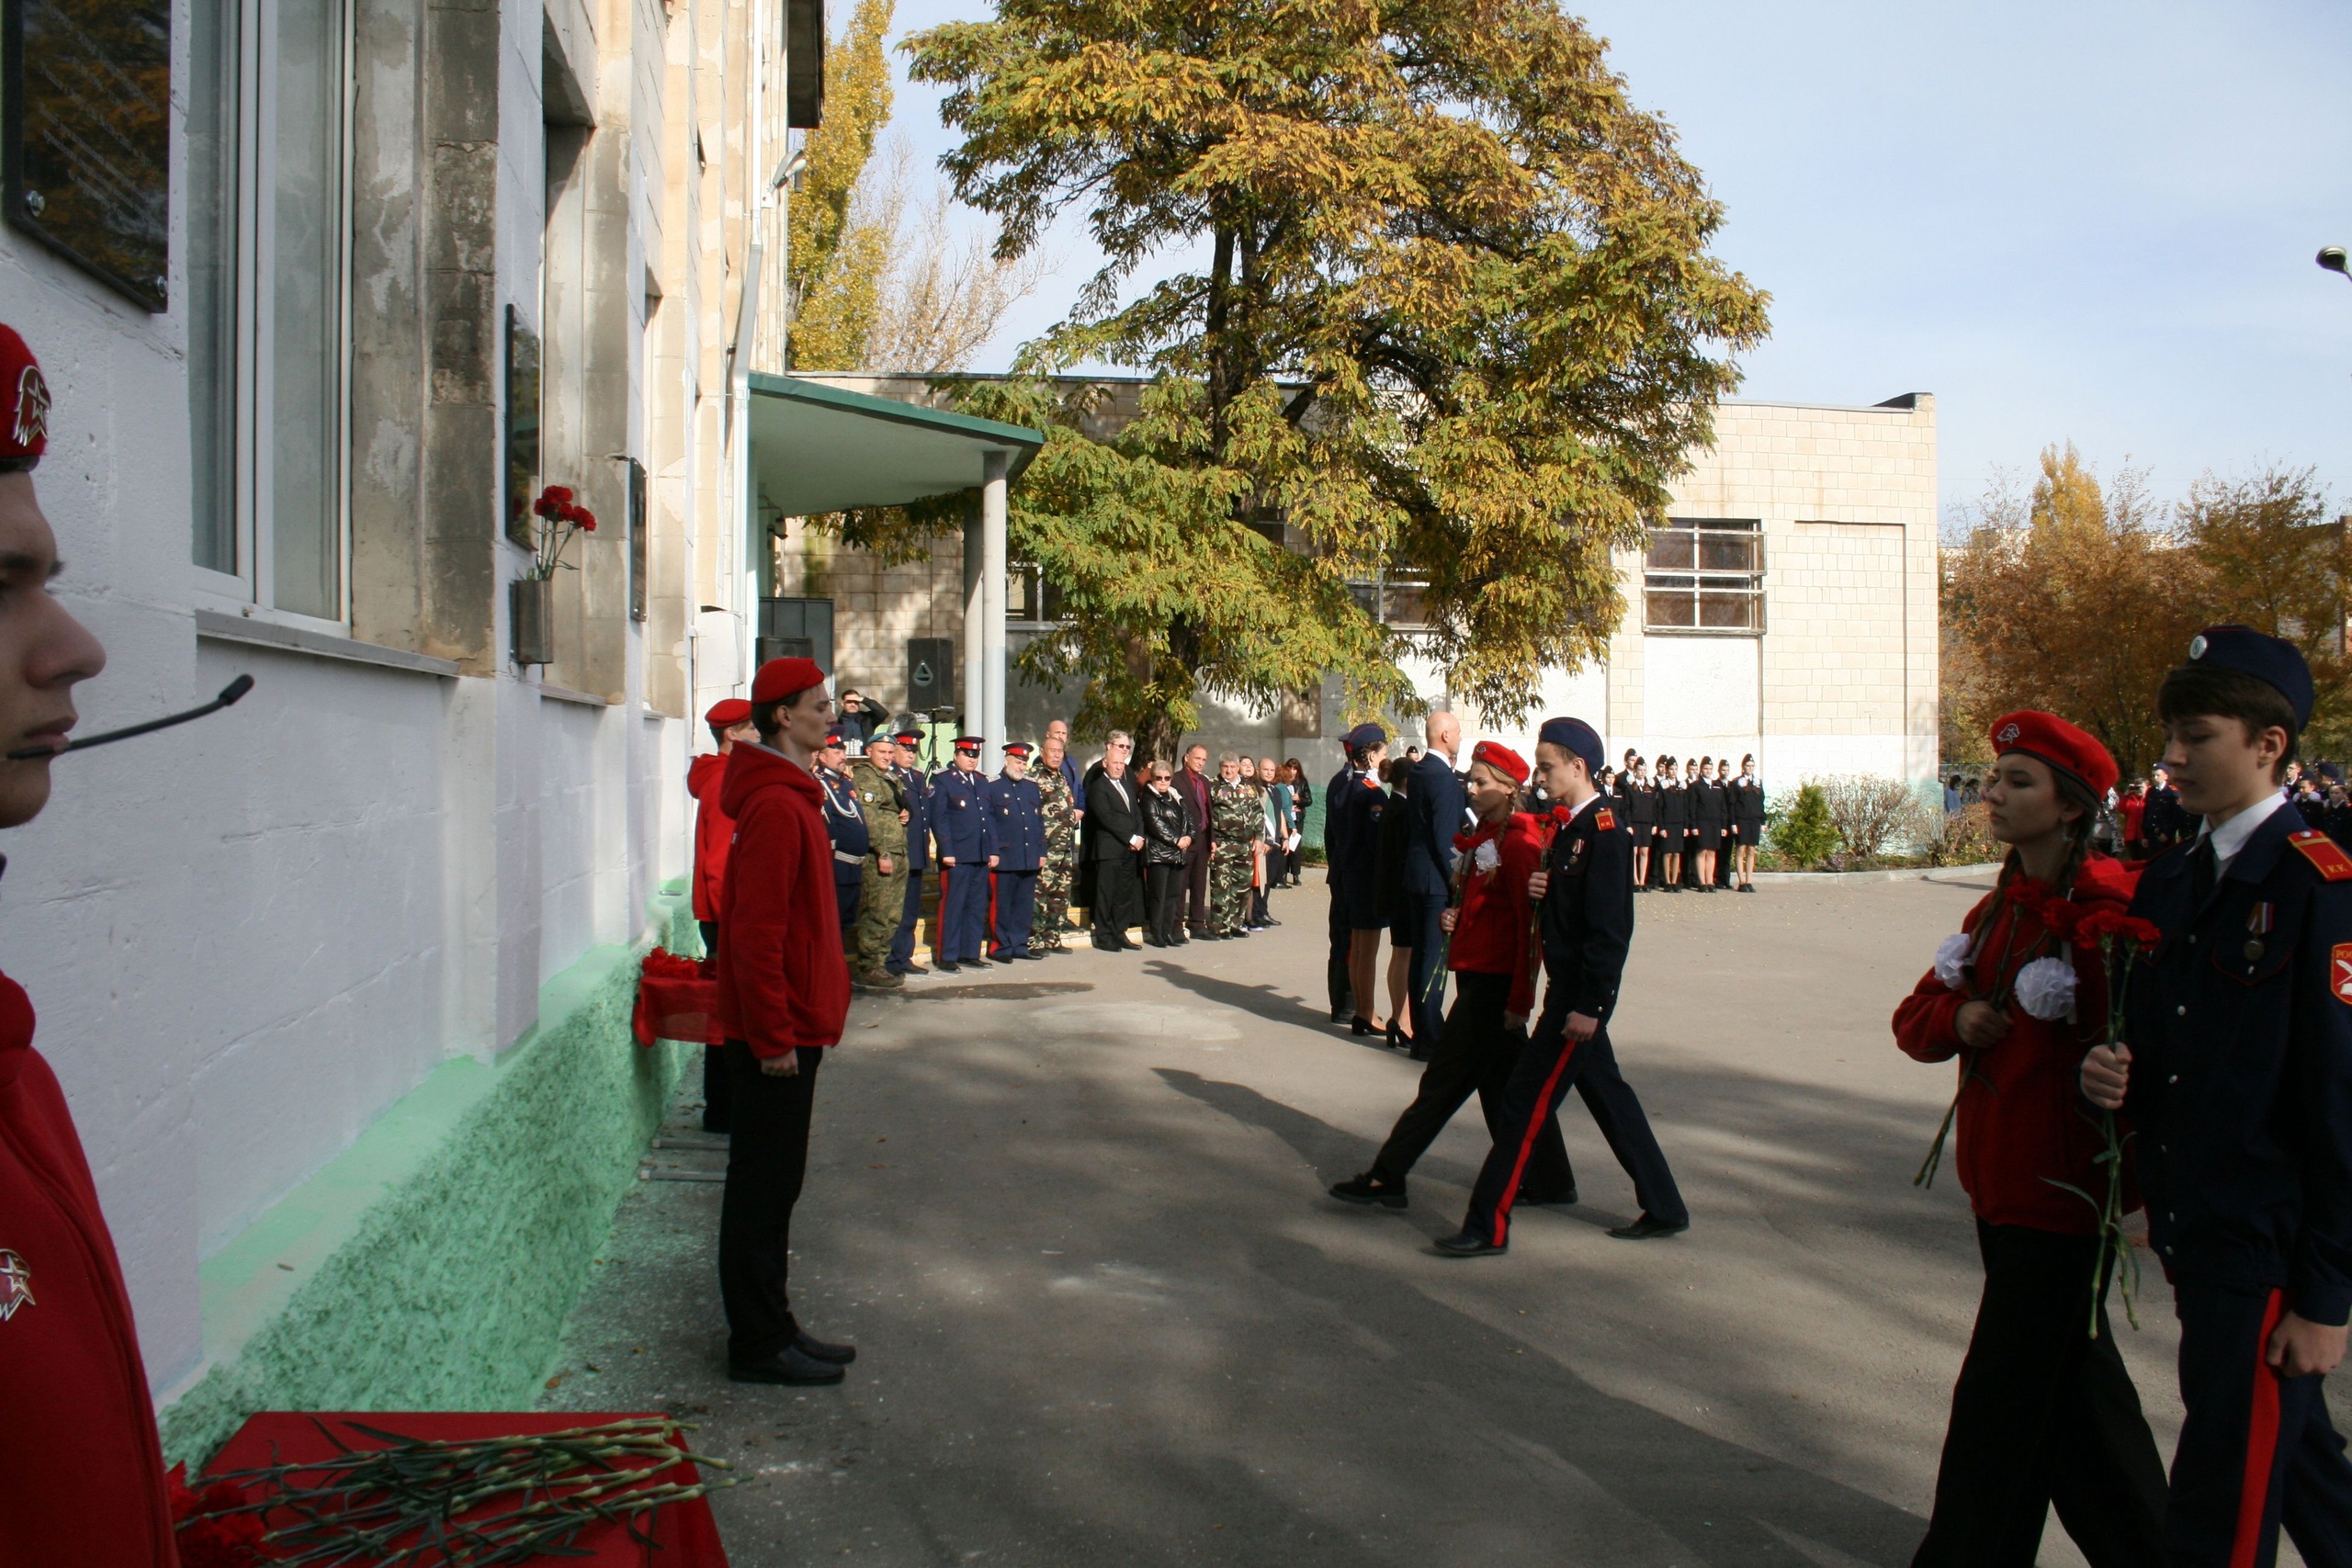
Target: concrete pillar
970 698
993 605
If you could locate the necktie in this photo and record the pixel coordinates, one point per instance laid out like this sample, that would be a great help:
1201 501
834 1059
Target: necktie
2204 870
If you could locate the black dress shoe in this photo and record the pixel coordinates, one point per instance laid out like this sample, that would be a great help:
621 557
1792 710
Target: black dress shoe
910 969
839 1354
1468 1244
1650 1225
1029 957
1369 1189
1361 1025
1747 887
1267 922
1341 1014
944 968
790 1365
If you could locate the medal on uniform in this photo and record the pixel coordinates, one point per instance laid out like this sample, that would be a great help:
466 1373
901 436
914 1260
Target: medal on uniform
16 1285
2258 924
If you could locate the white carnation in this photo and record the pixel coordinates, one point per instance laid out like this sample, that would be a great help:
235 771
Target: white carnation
1487 857
1951 960
2046 989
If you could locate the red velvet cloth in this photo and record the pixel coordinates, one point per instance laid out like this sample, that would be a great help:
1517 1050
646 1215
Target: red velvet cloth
677 998
684 1534
80 1471
782 981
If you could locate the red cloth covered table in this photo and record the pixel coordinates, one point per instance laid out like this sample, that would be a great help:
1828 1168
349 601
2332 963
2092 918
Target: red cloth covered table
677 998
684 1534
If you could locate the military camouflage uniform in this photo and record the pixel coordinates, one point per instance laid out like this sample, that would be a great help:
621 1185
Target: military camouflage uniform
881 900
1236 821
1056 876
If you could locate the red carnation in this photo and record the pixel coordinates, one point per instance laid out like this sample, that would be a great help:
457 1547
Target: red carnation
1462 841
210 1527
553 502
2146 933
2062 918
584 518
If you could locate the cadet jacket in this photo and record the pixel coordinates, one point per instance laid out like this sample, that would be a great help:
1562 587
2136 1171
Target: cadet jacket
1747 801
915 790
714 832
1434 799
881 800
844 824
1587 921
1236 820
1336 795
783 982
1641 804
2164 822
1016 823
959 818
81 1473
1710 806
2241 1032
1673 807
1362 807
1165 821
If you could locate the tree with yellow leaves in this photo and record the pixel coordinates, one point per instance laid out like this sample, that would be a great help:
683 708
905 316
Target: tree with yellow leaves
1443 302
836 256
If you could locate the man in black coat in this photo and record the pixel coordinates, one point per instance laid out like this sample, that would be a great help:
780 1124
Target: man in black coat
1435 802
1336 795
1110 835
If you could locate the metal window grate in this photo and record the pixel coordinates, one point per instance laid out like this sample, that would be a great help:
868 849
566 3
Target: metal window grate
1704 574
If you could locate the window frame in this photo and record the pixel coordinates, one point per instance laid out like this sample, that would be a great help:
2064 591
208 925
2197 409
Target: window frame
251 589
1698 582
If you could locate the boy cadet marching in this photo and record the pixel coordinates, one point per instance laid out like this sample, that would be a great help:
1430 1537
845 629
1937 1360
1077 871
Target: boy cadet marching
1016 848
2237 1075
1587 929
1057 805
1236 820
959 823
882 893
914 789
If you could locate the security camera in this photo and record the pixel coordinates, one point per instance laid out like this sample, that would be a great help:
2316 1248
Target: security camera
2333 259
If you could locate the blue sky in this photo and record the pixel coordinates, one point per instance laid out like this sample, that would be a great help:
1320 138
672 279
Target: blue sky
2086 220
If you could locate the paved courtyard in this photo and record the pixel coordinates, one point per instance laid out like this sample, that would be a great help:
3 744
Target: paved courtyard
1072 1214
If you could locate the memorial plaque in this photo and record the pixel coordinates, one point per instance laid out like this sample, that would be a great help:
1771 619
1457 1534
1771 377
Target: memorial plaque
522 430
87 123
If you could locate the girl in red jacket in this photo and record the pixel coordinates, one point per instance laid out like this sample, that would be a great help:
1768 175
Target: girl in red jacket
730 720
783 995
2042 1414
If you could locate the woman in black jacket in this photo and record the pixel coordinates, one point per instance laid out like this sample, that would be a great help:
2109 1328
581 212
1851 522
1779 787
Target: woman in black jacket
1395 838
1167 834
1641 819
1709 815
1673 822
1748 816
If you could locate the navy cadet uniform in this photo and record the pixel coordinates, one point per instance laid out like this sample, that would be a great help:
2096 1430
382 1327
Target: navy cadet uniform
1588 928
916 787
845 826
1436 803
1344 786
959 821
1362 807
2241 1101
1016 823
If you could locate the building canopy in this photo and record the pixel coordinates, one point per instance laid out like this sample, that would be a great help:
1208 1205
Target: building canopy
817 448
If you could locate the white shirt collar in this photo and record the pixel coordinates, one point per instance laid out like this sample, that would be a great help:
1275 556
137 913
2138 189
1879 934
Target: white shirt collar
1576 811
2230 836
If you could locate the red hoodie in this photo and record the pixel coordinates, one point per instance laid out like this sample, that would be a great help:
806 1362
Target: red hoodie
80 1471
783 982
2023 1123
714 832
1493 934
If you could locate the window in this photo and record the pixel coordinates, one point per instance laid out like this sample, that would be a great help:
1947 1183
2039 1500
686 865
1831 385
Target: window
1704 574
1030 595
267 104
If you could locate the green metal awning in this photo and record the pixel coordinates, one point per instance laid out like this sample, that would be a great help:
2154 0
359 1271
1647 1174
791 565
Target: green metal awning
817 448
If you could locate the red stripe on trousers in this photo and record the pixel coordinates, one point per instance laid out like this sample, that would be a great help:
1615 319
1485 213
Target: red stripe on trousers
1527 1144
940 951
2261 1443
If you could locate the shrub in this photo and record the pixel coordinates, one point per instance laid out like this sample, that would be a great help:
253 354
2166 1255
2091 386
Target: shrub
1964 838
1874 817
1802 832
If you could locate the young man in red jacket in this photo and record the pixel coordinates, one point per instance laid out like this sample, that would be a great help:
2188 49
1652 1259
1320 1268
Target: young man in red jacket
730 721
1492 954
782 994
80 1471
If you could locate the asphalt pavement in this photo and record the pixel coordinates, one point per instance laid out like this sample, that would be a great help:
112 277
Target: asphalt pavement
1072 1214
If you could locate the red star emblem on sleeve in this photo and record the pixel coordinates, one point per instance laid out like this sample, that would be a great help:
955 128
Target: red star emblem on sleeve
16 1285
2339 972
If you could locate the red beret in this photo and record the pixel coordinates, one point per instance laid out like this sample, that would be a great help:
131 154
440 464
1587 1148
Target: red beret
726 713
779 678
2058 743
1501 758
24 404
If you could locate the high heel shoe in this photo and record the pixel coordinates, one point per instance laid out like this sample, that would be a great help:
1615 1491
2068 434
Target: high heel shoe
1395 1041
1362 1025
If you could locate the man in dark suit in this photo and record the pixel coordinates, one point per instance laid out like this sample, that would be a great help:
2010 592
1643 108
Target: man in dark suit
1193 785
1336 796
1435 801
1109 837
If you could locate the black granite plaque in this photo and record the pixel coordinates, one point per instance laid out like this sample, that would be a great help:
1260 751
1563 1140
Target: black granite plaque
87 121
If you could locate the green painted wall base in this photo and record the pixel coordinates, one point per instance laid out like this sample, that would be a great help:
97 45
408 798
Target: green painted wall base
431 1265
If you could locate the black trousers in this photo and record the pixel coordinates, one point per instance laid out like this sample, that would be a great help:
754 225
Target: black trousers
1475 1056
714 1059
2256 1450
1196 884
1421 911
767 1157
1335 978
1118 901
1163 903
1548 1067
2043 1415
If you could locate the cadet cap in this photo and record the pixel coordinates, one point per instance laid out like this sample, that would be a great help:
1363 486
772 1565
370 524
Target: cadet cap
909 737
1364 734
1501 758
969 744
1578 739
780 678
2048 737
24 405
2274 661
833 740
726 713
1020 748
